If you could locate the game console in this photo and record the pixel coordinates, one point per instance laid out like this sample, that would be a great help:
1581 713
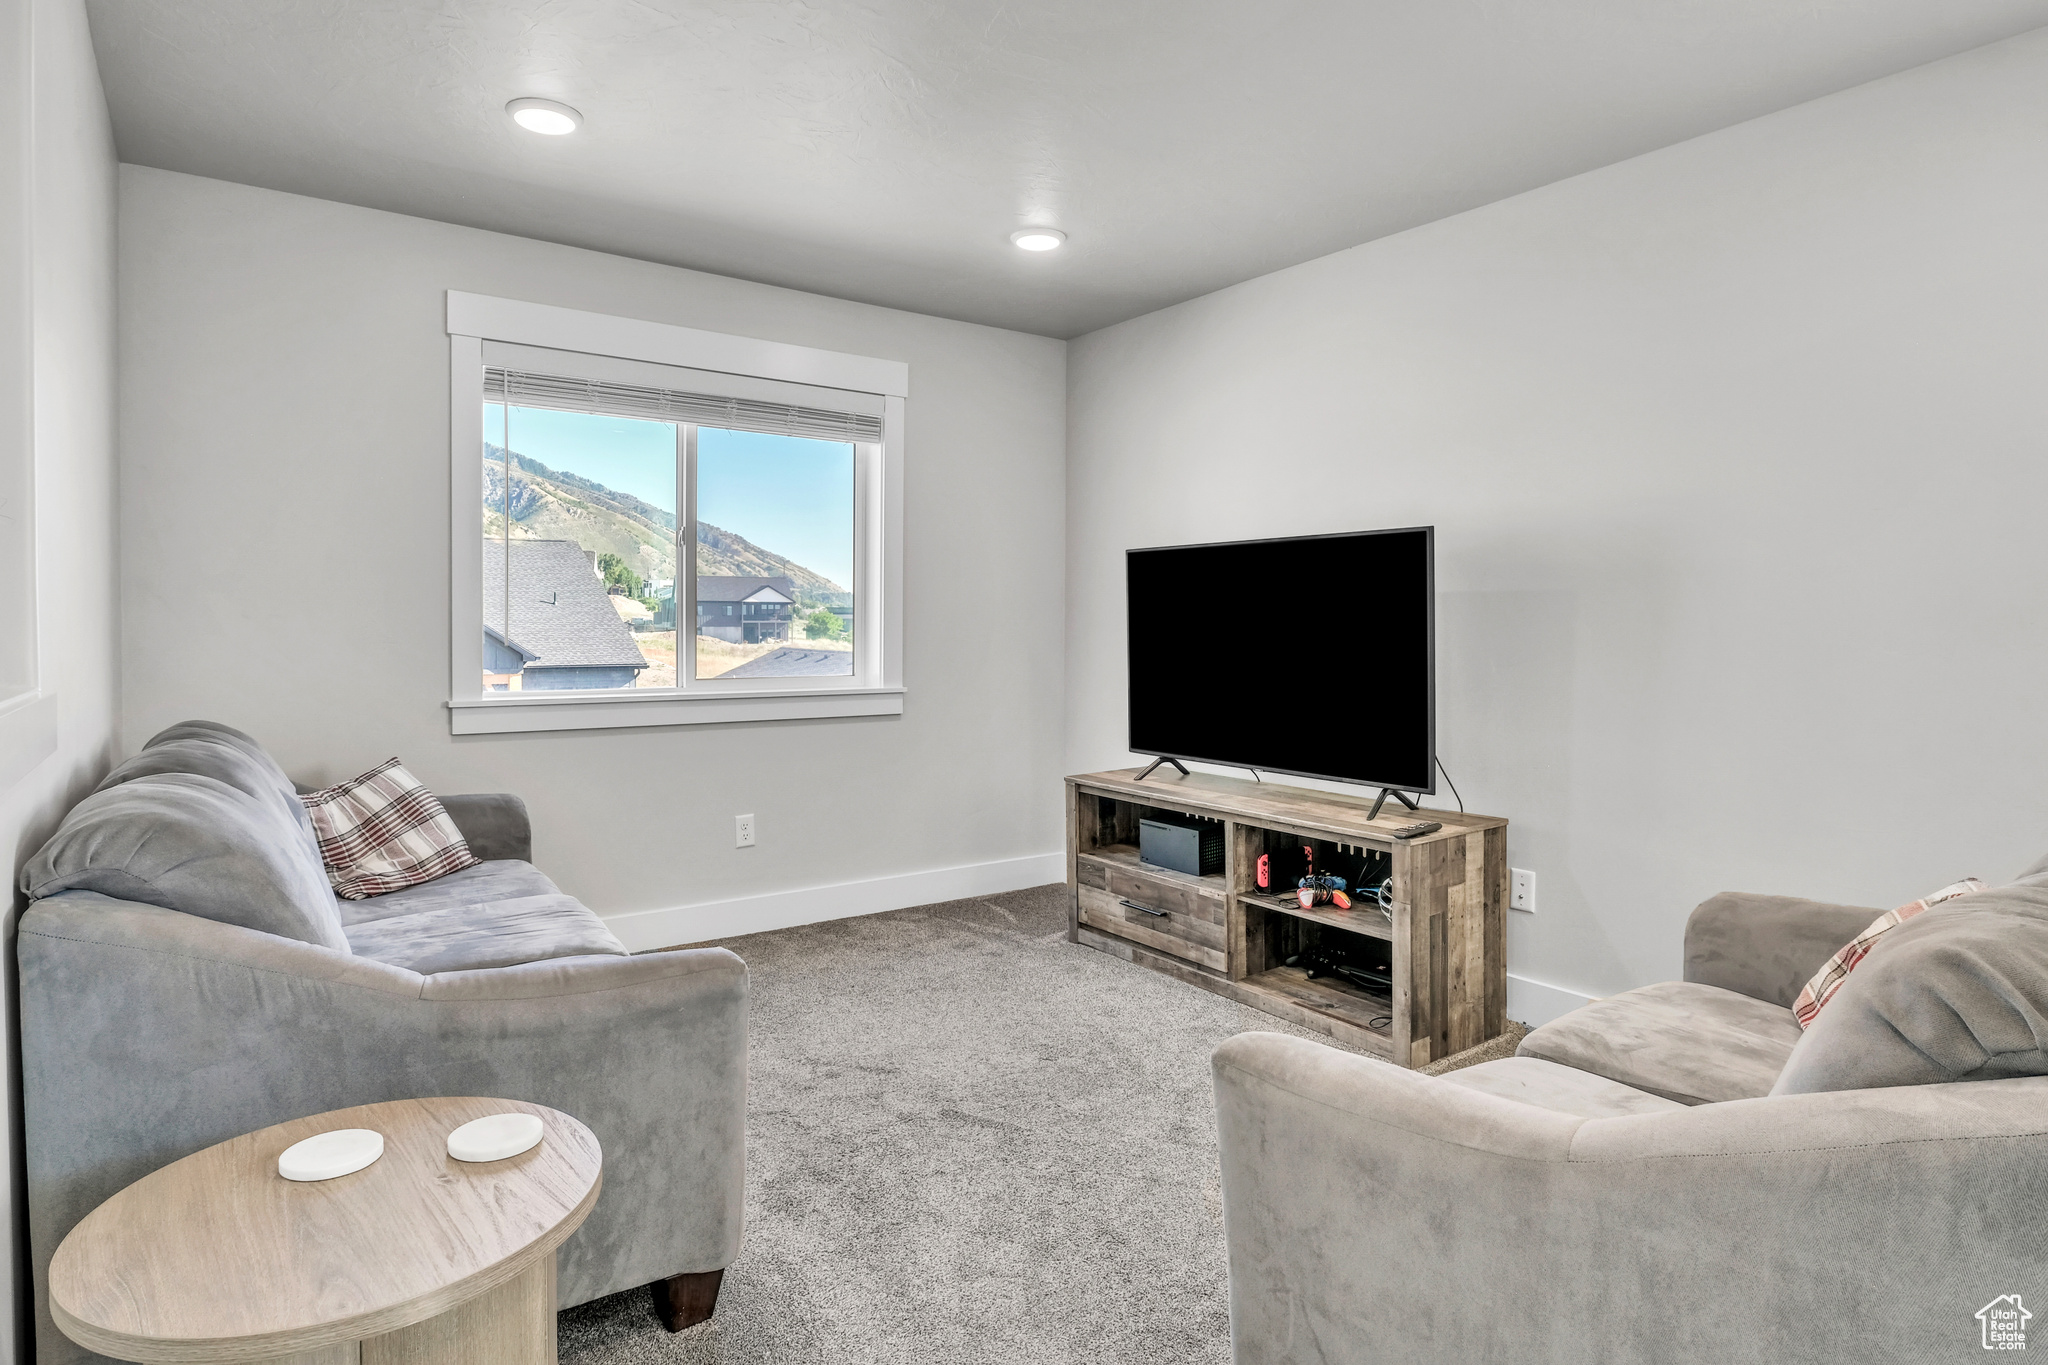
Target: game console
1192 846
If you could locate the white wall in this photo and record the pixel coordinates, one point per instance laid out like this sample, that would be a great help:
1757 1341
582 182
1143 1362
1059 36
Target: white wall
1735 453
285 561
70 246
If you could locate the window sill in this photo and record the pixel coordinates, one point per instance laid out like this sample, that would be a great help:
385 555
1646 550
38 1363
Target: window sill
506 714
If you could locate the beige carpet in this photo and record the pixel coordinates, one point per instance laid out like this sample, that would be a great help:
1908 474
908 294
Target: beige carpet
970 1142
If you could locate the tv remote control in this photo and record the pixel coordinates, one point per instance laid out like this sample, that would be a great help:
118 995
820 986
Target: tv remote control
1418 830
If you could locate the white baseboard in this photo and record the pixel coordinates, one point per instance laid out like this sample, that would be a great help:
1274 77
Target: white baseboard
1534 1003
641 930
1530 1002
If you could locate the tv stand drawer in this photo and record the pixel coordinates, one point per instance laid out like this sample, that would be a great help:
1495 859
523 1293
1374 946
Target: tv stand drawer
1173 919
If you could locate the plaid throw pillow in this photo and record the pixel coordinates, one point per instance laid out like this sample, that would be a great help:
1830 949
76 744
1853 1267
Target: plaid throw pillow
1830 977
384 831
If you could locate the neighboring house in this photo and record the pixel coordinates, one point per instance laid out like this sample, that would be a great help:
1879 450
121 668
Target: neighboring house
562 632
745 610
504 660
663 593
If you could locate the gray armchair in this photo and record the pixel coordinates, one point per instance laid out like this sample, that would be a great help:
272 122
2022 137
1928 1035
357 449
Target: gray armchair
1847 1204
150 1032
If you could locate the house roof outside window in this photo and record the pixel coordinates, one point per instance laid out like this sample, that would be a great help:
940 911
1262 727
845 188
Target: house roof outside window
735 588
561 614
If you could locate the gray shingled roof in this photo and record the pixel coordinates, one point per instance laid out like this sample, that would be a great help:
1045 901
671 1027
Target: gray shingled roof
559 608
796 663
734 588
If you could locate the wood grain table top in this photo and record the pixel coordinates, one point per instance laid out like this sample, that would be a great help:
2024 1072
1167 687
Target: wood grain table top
217 1257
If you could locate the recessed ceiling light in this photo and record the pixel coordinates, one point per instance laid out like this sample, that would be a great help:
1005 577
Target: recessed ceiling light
544 116
1038 238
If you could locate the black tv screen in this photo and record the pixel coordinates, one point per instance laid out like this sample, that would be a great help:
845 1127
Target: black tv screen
1313 656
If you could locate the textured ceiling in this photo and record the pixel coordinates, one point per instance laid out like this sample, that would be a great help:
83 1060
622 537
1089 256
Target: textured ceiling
884 150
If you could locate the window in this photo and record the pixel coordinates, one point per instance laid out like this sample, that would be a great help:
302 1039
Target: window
668 526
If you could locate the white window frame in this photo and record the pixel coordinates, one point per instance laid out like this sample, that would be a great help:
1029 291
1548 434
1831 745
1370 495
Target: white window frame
602 346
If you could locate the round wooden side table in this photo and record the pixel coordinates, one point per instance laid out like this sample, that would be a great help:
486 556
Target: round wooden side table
418 1259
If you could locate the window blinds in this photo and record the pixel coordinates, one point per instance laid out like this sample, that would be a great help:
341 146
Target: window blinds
527 390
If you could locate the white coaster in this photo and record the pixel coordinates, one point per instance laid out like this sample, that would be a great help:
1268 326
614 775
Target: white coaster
327 1155
495 1138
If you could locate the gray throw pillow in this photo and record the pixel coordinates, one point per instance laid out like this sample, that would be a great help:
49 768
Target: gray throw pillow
196 844
1959 993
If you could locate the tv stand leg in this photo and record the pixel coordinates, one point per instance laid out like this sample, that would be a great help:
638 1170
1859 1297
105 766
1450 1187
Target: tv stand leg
1385 792
1155 763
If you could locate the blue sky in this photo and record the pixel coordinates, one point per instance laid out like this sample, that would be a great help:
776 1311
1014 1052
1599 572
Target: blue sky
620 453
786 494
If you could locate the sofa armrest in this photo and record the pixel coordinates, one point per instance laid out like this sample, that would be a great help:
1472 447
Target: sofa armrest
1766 947
494 824
1374 1215
147 1035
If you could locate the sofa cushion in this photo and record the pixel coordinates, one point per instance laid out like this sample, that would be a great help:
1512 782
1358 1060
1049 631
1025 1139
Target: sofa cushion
1959 993
502 933
1688 1042
210 750
500 880
1565 1089
188 842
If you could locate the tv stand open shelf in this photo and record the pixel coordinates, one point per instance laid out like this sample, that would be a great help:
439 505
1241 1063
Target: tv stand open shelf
1445 936
1363 917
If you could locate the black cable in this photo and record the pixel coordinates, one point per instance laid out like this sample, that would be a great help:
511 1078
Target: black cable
1454 786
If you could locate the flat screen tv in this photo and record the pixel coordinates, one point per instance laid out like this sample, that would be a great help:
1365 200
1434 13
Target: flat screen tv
1313 656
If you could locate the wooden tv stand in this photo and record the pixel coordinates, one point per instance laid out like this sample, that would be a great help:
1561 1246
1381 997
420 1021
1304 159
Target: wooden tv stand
1447 930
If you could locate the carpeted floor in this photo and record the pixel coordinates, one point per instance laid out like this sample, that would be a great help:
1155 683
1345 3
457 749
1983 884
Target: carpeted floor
969 1141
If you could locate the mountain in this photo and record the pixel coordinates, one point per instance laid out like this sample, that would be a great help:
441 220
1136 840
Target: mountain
562 482
555 504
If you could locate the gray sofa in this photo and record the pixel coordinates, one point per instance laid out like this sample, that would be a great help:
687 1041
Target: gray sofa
187 976
1673 1174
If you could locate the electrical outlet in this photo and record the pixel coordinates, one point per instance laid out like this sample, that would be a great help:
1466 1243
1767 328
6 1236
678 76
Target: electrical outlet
743 831
1521 890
